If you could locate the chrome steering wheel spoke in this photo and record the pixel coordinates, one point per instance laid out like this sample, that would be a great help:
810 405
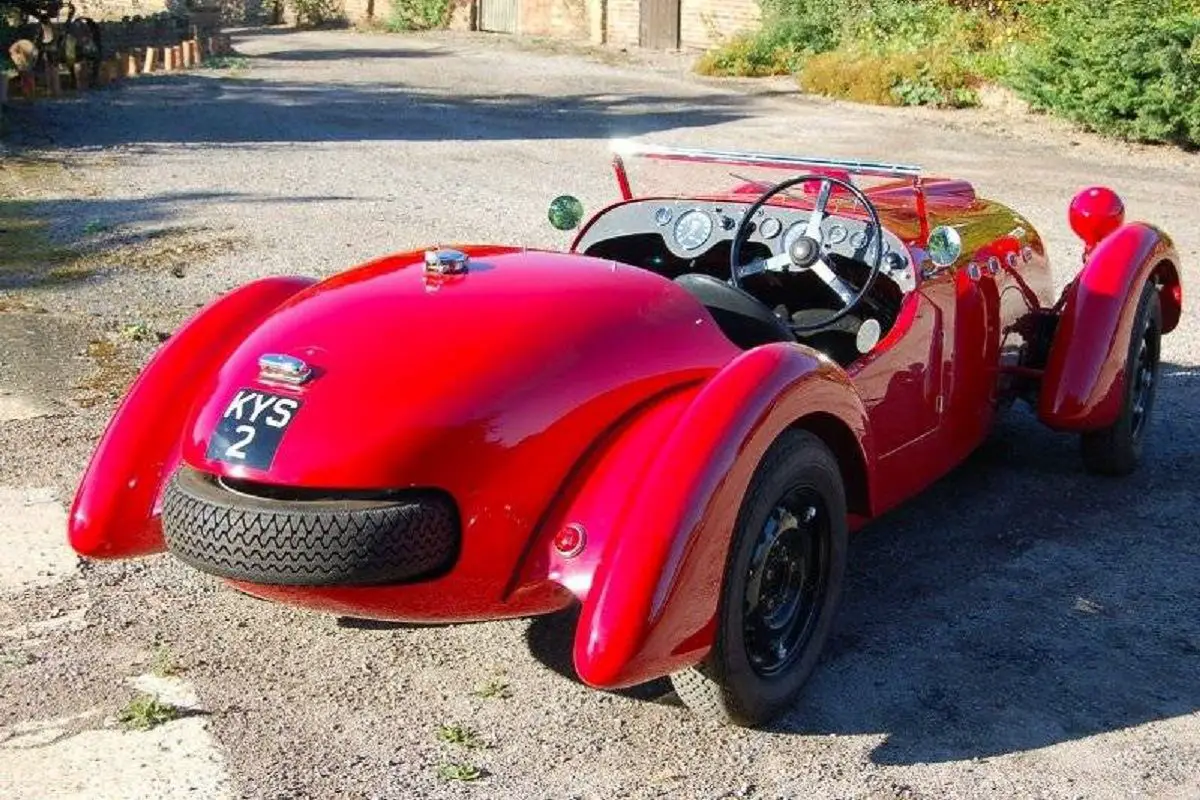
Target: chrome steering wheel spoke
822 269
813 231
776 263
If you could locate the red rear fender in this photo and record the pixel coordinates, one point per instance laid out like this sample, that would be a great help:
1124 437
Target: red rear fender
116 512
1085 372
650 606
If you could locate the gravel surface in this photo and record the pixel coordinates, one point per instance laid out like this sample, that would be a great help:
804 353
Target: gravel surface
1020 630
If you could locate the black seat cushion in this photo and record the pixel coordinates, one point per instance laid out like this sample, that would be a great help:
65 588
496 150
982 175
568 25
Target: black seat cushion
745 320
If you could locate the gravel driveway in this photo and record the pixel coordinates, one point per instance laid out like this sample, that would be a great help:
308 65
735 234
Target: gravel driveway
1021 630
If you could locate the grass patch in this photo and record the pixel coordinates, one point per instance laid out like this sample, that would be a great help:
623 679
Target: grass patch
14 305
113 375
13 659
168 249
460 772
27 254
164 664
145 712
461 736
239 63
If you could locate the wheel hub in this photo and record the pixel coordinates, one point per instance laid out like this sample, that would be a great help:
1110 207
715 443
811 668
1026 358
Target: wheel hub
785 582
1143 384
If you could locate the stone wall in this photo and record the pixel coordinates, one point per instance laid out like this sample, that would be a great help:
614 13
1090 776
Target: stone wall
233 12
563 19
702 23
622 20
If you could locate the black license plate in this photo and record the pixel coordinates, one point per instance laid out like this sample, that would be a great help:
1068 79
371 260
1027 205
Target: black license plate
252 427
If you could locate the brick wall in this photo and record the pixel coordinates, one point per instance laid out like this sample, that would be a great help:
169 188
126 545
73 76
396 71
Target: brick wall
622 21
704 23
233 12
564 19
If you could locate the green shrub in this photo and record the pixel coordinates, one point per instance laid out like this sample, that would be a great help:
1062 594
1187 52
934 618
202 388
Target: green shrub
889 78
1129 68
418 15
793 30
752 55
318 13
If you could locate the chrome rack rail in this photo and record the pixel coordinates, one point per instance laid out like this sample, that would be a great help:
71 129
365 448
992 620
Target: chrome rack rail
630 148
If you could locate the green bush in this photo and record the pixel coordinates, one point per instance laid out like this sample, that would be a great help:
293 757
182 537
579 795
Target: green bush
318 13
791 30
752 55
1130 68
914 42
891 79
418 15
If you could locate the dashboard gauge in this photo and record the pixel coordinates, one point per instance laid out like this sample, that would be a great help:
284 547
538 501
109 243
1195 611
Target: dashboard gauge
836 234
769 228
693 229
858 240
663 216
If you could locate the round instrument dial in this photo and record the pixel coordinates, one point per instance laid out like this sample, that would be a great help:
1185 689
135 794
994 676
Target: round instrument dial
692 229
769 228
836 234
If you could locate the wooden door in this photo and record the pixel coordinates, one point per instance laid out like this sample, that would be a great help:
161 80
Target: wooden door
659 24
499 16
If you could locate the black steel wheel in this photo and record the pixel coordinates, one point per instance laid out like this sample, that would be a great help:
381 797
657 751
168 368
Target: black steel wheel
782 583
1117 449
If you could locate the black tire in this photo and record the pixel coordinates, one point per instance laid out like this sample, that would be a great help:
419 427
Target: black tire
739 683
1117 449
308 542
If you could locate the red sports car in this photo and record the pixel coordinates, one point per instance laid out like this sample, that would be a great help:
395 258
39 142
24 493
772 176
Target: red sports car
674 425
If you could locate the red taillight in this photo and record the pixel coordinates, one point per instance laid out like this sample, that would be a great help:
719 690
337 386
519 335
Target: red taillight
570 540
1177 294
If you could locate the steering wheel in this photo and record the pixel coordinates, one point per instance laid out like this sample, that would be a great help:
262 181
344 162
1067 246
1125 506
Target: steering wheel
806 253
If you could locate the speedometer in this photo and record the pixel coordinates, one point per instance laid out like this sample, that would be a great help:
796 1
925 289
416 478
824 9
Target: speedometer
692 229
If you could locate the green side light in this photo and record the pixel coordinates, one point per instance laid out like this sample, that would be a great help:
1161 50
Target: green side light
566 212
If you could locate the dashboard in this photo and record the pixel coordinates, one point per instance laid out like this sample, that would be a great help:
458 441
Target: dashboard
691 228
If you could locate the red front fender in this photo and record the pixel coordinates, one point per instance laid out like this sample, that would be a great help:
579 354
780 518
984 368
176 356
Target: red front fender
1084 377
114 514
652 602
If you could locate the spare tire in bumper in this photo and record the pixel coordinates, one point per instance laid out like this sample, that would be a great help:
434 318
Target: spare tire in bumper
305 540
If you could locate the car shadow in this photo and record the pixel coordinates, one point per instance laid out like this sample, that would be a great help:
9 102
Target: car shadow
1016 604
237 108
364 54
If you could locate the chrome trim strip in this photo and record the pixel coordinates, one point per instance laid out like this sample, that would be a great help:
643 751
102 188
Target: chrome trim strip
628 147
